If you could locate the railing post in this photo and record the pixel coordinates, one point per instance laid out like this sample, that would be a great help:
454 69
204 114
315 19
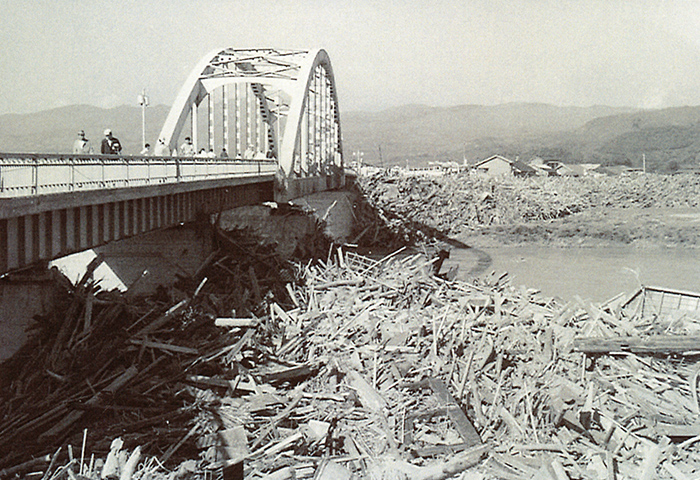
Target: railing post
177 169
148 171
102 166
71 183
35 177
126 180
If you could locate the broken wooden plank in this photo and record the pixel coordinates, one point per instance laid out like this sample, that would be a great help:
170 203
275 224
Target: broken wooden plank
236 322
290 374
461 422
652 344
369 397
76 415
163 319
164 346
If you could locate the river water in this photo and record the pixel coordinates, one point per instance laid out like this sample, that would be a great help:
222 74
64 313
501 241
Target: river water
592 273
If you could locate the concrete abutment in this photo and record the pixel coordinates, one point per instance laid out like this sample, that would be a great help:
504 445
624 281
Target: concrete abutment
143 262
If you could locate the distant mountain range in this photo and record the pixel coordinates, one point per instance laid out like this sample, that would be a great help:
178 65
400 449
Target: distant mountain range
417 134
54 131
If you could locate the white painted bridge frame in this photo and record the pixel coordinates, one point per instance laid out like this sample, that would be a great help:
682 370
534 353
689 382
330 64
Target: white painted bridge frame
273 103
286 144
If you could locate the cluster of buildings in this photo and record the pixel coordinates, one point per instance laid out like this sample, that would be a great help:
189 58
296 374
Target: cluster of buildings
498 165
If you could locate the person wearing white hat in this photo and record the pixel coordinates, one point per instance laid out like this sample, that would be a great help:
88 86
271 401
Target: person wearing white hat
82 144
161 149
110 144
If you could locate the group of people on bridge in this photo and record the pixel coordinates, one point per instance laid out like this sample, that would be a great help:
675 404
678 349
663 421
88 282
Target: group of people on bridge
187 149
111 146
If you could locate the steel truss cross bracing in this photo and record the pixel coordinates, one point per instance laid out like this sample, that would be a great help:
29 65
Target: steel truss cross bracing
269 116
271 103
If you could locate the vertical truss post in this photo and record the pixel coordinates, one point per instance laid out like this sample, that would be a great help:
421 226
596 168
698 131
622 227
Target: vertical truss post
277 124
224 104
237 110
317 122
210 106
195 121
248 122
324 122
259 146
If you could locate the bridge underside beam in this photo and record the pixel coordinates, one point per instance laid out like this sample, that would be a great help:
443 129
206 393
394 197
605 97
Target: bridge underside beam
71 227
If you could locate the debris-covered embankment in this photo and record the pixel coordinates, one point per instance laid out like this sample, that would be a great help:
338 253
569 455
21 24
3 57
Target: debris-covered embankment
344 367
642 209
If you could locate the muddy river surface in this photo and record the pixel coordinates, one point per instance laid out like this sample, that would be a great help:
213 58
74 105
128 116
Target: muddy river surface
596 273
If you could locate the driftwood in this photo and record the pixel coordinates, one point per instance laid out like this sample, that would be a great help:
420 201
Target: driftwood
361 369
651 344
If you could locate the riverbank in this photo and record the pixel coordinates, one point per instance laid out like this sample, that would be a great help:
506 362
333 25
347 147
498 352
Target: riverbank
638 227
643 211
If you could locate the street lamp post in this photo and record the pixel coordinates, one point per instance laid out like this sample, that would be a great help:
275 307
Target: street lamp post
143 101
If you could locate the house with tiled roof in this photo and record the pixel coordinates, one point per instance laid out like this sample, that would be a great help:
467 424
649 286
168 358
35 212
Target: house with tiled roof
498 165
494 166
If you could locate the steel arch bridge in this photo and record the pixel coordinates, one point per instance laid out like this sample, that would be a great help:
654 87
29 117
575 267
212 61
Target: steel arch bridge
275 112
264 103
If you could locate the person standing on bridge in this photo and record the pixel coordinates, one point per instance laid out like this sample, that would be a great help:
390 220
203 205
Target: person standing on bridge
82 144
187 149
146 150
162 149
110 144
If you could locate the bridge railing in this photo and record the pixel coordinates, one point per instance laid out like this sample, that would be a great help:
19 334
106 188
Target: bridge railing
40 174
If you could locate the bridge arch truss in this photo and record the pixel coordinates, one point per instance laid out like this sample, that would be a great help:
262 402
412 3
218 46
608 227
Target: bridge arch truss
264 103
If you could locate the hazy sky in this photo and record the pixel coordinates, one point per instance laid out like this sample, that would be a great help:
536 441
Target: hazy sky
385 53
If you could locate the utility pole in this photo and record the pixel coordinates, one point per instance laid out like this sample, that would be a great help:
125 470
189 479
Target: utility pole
143 101
381 161
644 163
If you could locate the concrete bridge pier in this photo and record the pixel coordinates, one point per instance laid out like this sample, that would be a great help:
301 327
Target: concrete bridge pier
138 264
21 298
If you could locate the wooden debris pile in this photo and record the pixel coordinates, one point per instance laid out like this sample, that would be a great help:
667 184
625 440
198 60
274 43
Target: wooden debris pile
455 202
413 370
123 366
364 369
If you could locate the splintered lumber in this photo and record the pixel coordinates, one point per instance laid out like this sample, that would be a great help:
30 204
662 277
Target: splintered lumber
165 346
23 467
370 398
298 372
439 471
652 344
376 364
459 419
162 320
76 415
330 470
236 322
284 414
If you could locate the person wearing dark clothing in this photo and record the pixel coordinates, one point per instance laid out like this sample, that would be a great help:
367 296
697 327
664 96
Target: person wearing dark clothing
110 144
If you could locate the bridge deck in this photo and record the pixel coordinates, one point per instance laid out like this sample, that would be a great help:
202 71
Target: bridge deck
54 205
40 174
